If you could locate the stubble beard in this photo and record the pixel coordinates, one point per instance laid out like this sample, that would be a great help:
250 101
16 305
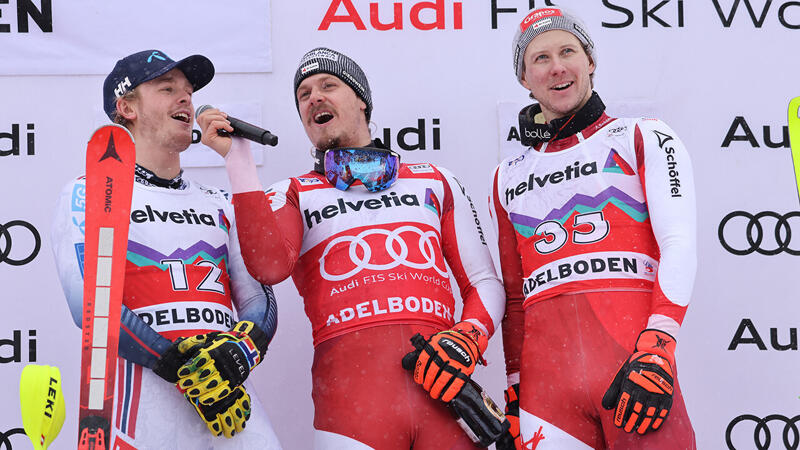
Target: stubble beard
328 143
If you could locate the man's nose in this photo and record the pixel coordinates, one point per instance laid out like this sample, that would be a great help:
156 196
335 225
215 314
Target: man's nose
315 95
558 66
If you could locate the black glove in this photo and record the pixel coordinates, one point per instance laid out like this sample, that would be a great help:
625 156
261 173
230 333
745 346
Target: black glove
181 351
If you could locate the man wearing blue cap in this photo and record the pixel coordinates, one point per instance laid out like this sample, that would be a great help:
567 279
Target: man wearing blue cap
184 274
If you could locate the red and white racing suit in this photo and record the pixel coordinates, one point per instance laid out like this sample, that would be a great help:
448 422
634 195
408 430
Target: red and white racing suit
596 232
372 271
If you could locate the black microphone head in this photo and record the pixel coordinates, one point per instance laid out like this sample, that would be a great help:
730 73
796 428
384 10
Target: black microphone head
201 109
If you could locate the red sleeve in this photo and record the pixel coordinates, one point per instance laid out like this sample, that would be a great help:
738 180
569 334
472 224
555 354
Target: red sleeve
269 251
511 269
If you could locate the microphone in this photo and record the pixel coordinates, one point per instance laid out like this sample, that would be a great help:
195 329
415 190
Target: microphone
245 130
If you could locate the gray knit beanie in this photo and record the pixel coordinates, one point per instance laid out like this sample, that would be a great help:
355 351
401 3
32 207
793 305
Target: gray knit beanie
545 19
325 60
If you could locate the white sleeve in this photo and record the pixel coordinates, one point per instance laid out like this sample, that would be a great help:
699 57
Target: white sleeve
67 240
671 201
468 256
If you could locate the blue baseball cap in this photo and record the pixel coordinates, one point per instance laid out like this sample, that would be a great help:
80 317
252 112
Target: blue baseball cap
146 65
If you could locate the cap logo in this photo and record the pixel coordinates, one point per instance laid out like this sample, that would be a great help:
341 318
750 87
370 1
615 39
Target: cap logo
536 15
541 23
321 53
353 80
155 55
309 67
584 34
122 87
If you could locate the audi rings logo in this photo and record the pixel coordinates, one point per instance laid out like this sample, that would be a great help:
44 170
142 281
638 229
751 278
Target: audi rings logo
766 233
13 233
786 428
5 442
395 243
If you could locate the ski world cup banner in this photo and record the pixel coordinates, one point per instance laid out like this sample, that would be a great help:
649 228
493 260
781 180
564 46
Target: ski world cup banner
85 37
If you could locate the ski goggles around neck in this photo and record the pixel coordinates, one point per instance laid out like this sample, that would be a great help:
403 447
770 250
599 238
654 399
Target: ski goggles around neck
376 168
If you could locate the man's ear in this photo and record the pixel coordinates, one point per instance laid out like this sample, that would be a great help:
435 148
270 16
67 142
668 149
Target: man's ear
126 109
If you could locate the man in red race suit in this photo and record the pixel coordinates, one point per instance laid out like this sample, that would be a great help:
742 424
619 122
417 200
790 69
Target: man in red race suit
597 237
368 242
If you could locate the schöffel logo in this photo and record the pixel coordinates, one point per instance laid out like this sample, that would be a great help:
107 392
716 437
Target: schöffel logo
15 242
16 147
423 15
672 164
766 233
773 431
343 207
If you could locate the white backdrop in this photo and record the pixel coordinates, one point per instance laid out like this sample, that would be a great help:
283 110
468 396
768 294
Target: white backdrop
719 73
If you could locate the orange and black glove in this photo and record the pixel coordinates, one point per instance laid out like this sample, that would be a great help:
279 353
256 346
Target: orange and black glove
642 390
448 359
510 440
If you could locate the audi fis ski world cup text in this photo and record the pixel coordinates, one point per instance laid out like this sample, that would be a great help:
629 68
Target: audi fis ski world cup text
620 14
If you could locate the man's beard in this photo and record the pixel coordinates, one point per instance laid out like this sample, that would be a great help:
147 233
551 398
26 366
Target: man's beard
329 143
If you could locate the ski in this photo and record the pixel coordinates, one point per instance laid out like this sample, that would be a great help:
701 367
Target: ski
110 159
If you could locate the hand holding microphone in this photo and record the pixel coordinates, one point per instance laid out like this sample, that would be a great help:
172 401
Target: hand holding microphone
210 118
